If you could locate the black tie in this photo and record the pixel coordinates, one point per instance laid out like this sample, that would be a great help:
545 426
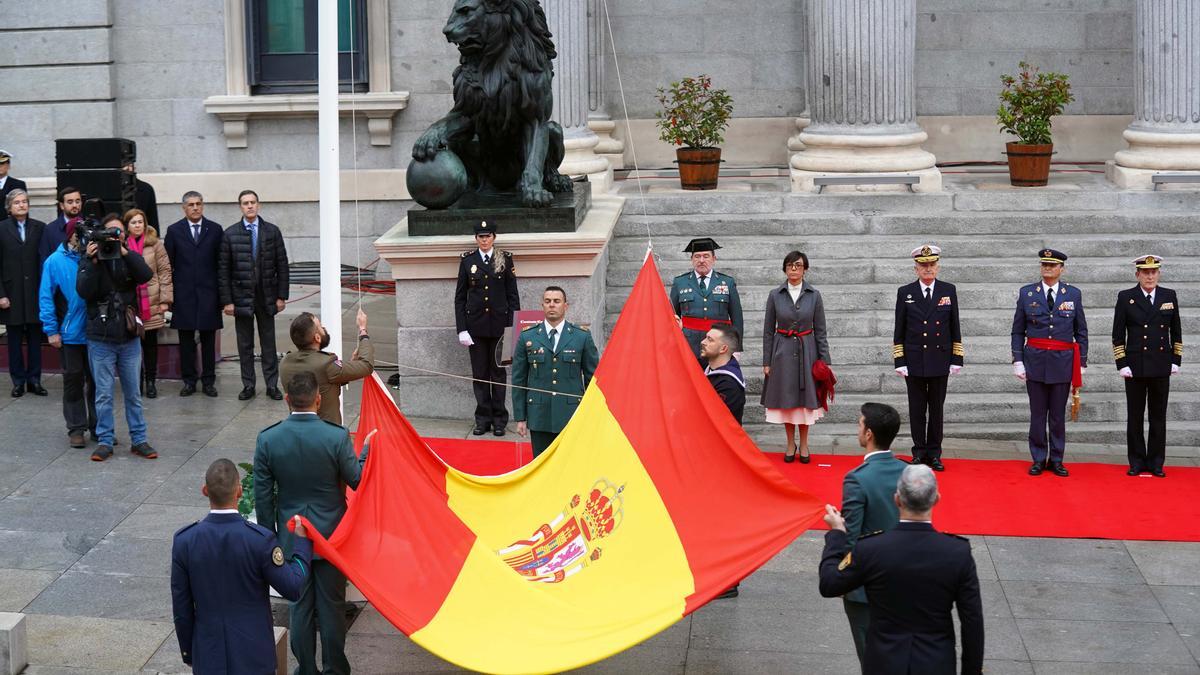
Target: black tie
553 342
703 282
487 260
1150 298
1050 298
195 233
928 294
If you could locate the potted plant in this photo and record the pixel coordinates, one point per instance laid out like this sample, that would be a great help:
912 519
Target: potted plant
1027 104
694 118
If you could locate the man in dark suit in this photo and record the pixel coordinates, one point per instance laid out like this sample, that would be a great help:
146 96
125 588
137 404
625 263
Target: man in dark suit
7 182
221 568
20 283
484 301
913 575
1049 353
1148 346
927 348
302 465
70 203
194 245
867 500
252 282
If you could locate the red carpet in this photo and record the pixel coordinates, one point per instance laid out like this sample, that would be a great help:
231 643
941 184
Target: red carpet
1097 501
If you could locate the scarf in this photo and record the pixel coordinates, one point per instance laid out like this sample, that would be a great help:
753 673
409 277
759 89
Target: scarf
138 245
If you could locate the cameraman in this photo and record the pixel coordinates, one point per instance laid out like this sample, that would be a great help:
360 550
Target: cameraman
108 278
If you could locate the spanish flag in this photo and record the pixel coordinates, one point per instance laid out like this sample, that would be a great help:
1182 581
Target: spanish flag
651 502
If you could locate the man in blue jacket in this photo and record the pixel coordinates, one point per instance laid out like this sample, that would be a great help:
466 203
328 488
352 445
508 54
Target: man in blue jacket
221 568
62 312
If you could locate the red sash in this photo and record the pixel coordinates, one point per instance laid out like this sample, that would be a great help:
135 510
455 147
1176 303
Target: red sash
794 333
703 325
1061 346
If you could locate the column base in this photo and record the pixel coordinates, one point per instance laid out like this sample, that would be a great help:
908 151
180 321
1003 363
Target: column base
1128 178
1152 152
930 181
581 160
794 143
609 148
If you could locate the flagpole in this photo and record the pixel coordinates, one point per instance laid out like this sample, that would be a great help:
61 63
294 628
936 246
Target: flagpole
330 188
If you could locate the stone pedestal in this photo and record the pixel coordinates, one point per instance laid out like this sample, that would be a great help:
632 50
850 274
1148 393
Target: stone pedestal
1165 132
569 26
802 122
14 650
425 270
861 96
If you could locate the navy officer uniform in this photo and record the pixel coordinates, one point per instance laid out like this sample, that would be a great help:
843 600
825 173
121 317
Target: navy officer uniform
220 570
561 367
927 348
1049 352
484 302
701 300
730 385
913 575
1148 347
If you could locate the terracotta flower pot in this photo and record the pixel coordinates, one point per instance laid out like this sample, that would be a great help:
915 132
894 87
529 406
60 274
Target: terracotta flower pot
1029 165
698 167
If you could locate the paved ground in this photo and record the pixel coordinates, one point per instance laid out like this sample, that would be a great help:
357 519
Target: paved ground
85 549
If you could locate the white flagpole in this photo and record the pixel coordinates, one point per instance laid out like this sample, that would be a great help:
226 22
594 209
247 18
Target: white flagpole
330 188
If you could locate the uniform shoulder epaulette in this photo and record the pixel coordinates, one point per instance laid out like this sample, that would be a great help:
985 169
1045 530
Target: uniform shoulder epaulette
529 328
467 253
269 427
681 276
507 254
257 528
185 528
869 534
335 424
948 534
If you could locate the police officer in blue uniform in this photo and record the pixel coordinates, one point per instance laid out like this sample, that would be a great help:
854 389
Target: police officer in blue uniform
1049 353
927 348
221 568
484 301
1148 348
704 297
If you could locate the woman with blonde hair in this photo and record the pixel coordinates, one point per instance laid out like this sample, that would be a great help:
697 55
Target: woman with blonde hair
154 297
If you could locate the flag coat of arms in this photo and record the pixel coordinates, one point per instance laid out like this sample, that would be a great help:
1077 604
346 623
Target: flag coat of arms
650 502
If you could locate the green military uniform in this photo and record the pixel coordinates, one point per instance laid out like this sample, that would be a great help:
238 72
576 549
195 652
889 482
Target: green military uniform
331 373
868 506
566 370
701 304
309 462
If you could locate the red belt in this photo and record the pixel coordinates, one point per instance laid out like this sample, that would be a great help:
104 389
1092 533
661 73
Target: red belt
1061 346
705 325
793 333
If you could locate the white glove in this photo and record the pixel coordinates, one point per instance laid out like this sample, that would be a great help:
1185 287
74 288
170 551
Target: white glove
1125 372
465 338
902 371
1174 369
954 370
1019 370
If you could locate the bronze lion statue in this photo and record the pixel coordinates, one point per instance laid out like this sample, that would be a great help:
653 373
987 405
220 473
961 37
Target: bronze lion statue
499 127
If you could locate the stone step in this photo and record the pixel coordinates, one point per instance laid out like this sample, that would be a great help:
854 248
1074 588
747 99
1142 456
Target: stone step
1183 437
861 297
624 267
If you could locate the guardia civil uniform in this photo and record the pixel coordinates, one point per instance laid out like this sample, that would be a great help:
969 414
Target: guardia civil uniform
562 371
332 373
926 346
867 506
1049 340
485 299
221 568
702 302
1148 347
303 465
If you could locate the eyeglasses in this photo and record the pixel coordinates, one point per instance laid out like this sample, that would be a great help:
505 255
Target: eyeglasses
795 266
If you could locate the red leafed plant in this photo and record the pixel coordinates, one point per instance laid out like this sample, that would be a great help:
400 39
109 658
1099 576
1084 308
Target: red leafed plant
694 114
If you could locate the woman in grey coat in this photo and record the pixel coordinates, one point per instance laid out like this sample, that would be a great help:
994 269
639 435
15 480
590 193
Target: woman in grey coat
794 338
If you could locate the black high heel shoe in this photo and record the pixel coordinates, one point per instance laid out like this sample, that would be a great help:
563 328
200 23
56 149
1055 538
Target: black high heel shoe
789 458
804 459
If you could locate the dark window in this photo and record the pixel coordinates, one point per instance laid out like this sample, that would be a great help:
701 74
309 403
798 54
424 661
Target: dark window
283 45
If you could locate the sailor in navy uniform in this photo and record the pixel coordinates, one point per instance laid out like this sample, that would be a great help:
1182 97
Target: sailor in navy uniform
704 297
221 568
1148 348
724 373
926 349
1049 353
484 301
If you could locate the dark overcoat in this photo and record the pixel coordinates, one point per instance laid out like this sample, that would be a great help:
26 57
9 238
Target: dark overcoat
194 265
20 272
790 384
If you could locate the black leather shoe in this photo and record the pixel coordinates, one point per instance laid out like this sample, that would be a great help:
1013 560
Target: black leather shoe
18 391
36 388
936 464
1133 472
1159 473
730 593
151 390
497 430
274 393
1059 470
210 391
188 390
916 460
247 394
480 429
1035 469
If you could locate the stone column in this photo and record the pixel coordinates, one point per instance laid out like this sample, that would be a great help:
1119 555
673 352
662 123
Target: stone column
861 95
599 121
1165 132
569 26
